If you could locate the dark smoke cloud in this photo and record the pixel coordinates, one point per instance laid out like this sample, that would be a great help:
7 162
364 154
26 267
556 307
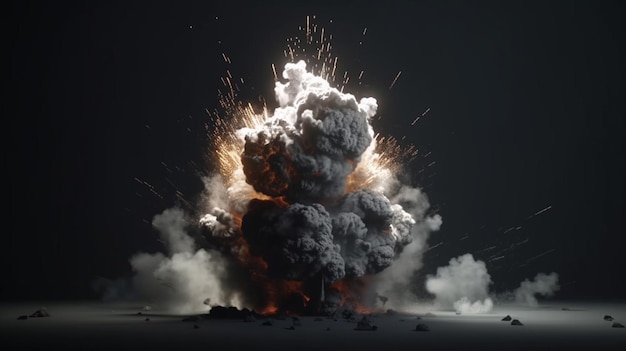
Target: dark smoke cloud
363 228
296 242
289 205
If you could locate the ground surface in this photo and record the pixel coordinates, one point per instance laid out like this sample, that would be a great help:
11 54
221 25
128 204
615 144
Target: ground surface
97 325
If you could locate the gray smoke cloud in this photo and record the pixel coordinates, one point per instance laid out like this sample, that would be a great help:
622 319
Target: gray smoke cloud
462 285
543 284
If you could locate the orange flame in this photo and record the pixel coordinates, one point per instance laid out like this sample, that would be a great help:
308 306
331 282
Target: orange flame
352 292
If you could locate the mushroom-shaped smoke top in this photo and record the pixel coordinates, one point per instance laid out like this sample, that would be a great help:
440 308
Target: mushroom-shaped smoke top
311 144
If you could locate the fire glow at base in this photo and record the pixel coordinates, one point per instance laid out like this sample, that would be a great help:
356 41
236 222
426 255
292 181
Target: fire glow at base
310 207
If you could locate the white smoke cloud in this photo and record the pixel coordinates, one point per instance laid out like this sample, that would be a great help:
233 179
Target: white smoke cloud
395 282
462 285
543 284
171 227
464 305
184 278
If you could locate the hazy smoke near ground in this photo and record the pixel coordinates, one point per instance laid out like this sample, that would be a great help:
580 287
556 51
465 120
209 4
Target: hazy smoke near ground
462 285
543 284
184 277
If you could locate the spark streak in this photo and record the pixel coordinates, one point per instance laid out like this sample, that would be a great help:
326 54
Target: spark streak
420 116
395 80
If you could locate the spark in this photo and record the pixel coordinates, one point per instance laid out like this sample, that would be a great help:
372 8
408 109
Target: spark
540 255
541 211
512 228
420 116
395 79
433 247
376 166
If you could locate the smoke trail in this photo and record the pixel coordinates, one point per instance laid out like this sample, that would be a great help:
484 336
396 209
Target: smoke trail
543 284
462 285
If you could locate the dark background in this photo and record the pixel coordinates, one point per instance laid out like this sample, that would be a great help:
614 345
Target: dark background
527 111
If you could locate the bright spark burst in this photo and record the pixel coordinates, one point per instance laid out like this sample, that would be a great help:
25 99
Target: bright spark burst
377 164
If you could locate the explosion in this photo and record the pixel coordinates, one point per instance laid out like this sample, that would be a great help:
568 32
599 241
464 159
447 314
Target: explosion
306 214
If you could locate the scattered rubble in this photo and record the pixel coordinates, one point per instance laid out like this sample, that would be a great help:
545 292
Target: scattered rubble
365 324
42 312
516 322
422 327
220 312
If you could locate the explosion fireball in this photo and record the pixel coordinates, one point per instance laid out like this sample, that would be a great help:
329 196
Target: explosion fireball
305 214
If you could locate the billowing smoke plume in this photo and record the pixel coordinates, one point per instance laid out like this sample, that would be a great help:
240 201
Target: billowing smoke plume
315 204
543 284
462 285
305 207
184 278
